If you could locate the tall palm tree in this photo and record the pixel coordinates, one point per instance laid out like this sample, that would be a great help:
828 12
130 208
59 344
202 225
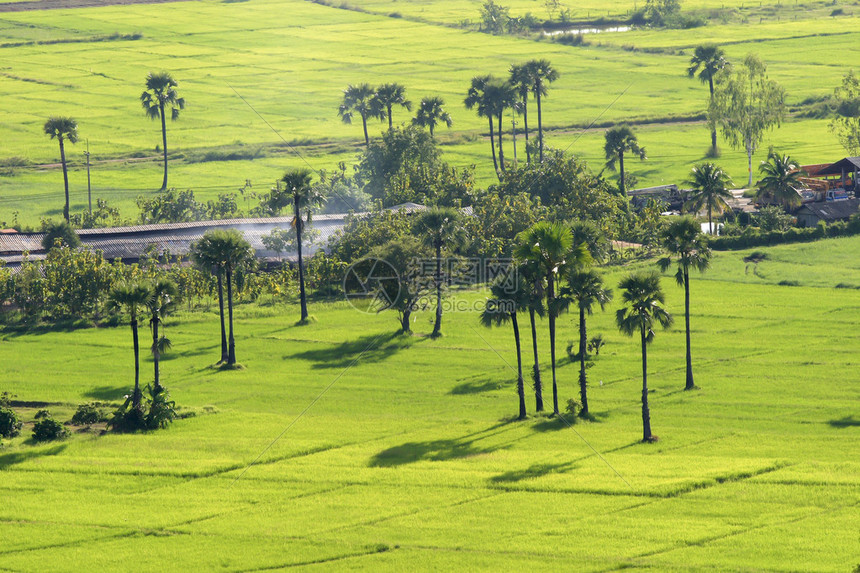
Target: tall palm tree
534 278
206 255
159 94
509 296
707 60
162 295
389 95
439 228
500 97
361 100
431 113
476 97
620 140
542 74
521 79
710 190
585 287
132 297
224 251
549 246
684 240
305 197
643 311
781 182
63 129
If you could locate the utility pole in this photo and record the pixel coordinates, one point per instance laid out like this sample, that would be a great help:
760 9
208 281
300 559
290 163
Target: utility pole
89 188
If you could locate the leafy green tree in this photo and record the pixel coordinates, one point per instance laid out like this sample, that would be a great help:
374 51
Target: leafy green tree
585 288
389 95
781 180
478 98
542 74
360 99
509 295
162 298
170 206
497 220
61 232
661 12
846 123
747 104
707 61
222 252
618 141
63 129
440 228
431 112
364 232
494 17
521 79
642 312
684 241
773 218
132 298
549 246
404 294
160 93
305 197
709 190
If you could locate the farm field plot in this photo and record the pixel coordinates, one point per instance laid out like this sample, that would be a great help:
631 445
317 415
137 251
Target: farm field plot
290 60
409 455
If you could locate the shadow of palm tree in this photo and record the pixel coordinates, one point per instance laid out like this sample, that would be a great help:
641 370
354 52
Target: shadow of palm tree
476 387
441 450
107 393
371 348
13 458
556 423
846 422
532 472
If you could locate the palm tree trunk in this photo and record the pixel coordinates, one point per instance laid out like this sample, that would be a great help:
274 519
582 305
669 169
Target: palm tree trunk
710 225
521 392
224 353
493 147
431 129
713 126
156 355
65 177
364 125
537 381
526 129
390 122
540 123
302 295
135 400
501 149
163 144
621 169
583 395
437 327
231 346
646 413
689 385
550 304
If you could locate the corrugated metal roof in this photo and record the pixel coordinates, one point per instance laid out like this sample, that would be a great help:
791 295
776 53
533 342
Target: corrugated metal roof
831 210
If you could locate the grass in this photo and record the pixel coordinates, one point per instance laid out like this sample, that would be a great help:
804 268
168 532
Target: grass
90 63
409 455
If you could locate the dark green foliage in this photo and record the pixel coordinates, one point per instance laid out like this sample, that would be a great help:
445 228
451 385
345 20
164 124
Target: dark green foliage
103 215
42 414
753 237
162 410
87 414
61 231
48 429
773 218
363 233
10 425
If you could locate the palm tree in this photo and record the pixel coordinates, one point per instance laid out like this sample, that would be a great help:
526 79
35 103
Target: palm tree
206 255
439 228
476 97
305 197
620 140
224 251
389 95
549 246
160 93
132 297
585 287
521 79
533 276
707 60
510 295
586 232
710 189
643 310
542 74
431 113
683 239
162 294
781 182
360 99
63 128
500 96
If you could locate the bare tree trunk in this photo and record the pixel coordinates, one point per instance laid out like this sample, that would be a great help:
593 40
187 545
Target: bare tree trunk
231 346
713 126
540 124
526 129
493 148
405 327
136 397
537 381
690 385
437 327
65 177
163 145
622 183
501 149
550 305
520 384
364 124
303 300
224 352
583 392
156 354
646 413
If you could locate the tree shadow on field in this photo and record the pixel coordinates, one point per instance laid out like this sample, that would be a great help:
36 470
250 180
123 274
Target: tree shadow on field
442 450
476 386
107 393
555 423
532 472
846 422
370 348
13 458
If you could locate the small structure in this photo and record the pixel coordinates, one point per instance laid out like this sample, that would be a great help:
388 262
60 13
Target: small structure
669 194
839 176
828 211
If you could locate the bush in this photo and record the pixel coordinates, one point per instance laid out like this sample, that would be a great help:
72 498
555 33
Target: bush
10 425
87 414
61 231
48 429
162 410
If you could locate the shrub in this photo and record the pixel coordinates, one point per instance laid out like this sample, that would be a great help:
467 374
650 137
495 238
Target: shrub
10 425
87 414
573 407
162 410
595 344
48 429
42 414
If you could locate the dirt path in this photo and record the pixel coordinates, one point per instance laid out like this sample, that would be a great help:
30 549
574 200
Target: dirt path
64 4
